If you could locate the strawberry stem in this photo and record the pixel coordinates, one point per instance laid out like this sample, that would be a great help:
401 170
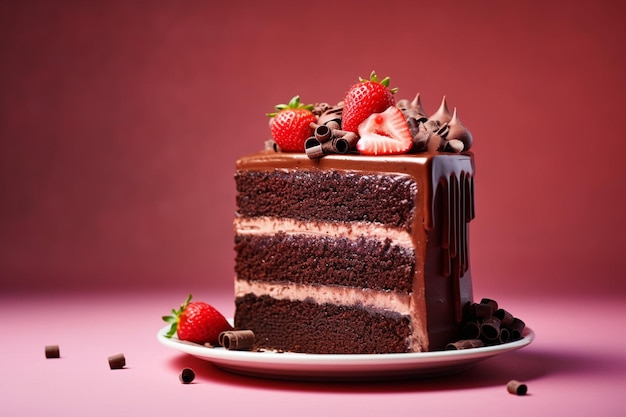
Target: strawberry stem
385 81
294 103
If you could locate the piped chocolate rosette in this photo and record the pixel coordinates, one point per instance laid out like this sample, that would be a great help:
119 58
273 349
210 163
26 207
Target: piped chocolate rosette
442 131
368 121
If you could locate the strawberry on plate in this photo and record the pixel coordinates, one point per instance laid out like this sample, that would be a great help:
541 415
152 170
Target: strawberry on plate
291 125
363 99
385 133
197 322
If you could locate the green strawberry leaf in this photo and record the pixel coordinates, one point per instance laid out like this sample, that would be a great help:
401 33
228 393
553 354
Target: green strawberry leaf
294 103
175 317
172 330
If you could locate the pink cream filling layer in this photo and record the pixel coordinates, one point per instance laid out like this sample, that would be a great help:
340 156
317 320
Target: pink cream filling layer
386 301
347 296
353 230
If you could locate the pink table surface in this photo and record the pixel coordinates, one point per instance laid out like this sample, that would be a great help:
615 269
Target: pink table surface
576 366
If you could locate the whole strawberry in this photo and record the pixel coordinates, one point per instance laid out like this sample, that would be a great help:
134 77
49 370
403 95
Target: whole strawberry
291 125
365 98
197 322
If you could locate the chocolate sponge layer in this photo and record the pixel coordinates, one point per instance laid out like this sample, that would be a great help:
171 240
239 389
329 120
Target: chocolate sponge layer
302 259
326 196
320 328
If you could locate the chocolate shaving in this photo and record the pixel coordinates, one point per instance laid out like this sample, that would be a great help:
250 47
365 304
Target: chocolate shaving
465 344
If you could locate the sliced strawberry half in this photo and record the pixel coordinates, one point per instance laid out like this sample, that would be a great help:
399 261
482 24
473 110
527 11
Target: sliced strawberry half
385 133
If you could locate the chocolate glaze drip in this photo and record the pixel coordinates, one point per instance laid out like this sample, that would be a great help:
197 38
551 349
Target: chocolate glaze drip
457 198
453 183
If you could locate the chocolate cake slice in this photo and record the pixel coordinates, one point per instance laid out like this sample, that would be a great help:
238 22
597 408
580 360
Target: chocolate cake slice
351 253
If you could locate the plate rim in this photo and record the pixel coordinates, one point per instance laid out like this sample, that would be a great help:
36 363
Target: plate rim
224 357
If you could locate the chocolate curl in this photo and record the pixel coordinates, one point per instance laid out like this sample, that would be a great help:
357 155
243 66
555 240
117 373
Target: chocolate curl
237 339
492 303
506 318
270 145
480 310
465 344
338 145
517 328
516 388
471 330
328 140
504 336
117 361
313 148
53 352
349 138
323 133
490 328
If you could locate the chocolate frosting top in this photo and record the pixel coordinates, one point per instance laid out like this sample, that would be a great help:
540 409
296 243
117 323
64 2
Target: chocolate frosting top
428 168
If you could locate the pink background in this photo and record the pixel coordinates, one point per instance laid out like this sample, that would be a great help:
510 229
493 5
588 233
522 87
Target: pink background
120 123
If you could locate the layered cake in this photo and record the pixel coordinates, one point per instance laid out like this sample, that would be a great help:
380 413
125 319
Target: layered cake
351 227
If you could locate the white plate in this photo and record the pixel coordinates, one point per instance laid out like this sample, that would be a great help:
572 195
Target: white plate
302 366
